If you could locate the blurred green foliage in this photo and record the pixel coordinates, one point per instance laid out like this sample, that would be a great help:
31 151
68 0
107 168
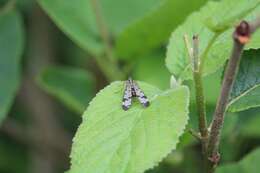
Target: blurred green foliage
248 164
73 86
11 47
137 32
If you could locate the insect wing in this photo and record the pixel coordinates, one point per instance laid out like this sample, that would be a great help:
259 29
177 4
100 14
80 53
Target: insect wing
127 98
140 95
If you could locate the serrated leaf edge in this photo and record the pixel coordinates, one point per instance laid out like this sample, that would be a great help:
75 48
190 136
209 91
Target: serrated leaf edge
181 131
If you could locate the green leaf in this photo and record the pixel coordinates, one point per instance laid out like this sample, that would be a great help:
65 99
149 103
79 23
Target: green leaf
77 19
154 28
254 41
248 164
228 18
113 140
249 123
72 86
144 70
214 45
11 48
245 93
119 14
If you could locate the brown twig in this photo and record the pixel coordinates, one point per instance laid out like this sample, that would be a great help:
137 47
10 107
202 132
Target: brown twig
241 36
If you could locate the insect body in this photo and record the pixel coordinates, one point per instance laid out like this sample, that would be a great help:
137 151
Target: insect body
133 90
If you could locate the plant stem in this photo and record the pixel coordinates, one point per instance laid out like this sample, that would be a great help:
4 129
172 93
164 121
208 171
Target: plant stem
195 134
200 99
110 70
218 117
108 63
103 30
240 38
201 109
189 49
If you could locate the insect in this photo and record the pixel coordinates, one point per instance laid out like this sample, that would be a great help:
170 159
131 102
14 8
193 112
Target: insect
133 90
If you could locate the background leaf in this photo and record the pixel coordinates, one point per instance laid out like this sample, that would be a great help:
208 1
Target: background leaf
228 18
245 93
113 140
144 70
11 47
154 28
249 164
77 20
249 123
177 59
72 86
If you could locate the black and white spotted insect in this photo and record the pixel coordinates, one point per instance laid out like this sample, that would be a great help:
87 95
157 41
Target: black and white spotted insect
133 90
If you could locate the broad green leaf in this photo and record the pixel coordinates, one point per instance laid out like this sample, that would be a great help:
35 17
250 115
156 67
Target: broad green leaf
11 47
77 19
72 86
248 164
227 18
214 47
144 70
254 41
154 28
117 141
245 93
119 14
